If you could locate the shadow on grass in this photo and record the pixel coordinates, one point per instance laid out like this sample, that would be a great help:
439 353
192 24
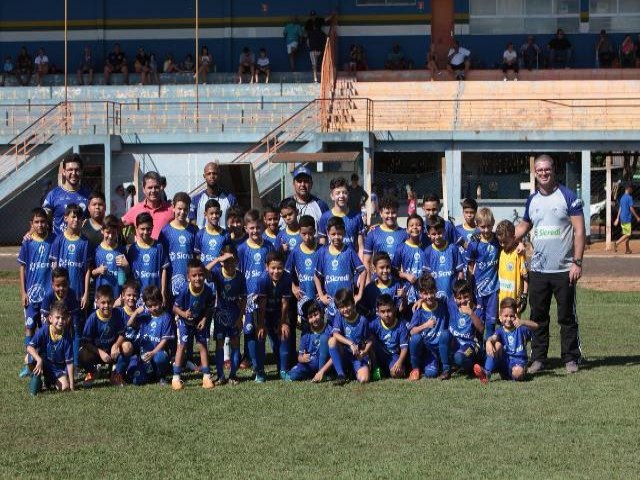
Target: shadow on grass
592 363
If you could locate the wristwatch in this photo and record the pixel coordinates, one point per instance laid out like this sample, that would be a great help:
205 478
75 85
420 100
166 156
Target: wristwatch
578 262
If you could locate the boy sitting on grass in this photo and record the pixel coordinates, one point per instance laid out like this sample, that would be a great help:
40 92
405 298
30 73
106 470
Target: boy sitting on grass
390 340
314 360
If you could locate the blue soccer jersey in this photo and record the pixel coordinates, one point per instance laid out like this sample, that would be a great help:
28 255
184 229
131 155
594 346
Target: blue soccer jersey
311 340
461 326
444 264
289 238
274 292
179 243
393 338
70 301
147 263
230 290
72 253
412 259
200 303
267 236
449 234
56 350
252 260
514 343
301 264
209 242
198 202
105 255
356 329
103 332
353 225
439 314
57 200
485 255
464 234
338 269
152 330
384 239
34 255
373 290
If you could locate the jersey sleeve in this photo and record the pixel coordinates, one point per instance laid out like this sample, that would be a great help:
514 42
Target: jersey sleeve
68 350
121 322
360 225
356 264
320 264
163 257
167 331
49 200
197 244
369 242
322 225
404 336
54 253
286 289
526 216
458 260
397 257
471 254
574 204
304 344
323 205
23 255
88 333
290 263
193 207
180 300
416 319
38 341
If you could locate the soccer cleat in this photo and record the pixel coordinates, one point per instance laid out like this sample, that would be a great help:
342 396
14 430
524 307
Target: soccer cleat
233 381
35 385
116 380
571 367
25 372
177 384
207 383
284 376
260 378
88 380
445 375
535 367
480 374
340 381
414 375
221 381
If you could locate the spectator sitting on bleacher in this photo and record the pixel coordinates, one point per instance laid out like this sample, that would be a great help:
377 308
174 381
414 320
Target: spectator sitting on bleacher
187 64
604 51
529 52
627 53
432 62
510 62
262 65
42 65
206 63
246 64
116 63
459 60
24 67
8 69
169 66
141 66
293 34
86 66
316 40
559 51
153 70
395 59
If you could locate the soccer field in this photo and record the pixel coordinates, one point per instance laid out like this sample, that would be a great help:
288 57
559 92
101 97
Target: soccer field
553 426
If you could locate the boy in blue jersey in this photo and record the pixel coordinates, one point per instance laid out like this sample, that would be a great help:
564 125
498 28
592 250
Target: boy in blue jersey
274 295
289 237
465 328
129 296
426 345
384 283
354 226
271 222
410 259
154 332
212 237
482 259
390 339
193 308
235 226
507 347
386 237
103 339
431 206
147 258
443 260
468 227
35 275
350 339
178 239
231 301
52 352
110 257
314 360
70 250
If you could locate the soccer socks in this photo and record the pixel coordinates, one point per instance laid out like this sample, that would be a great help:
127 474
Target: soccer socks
177 370
415 350
283 355
121 364
444 344
489 365
206 372
235 361
336 356
27 340
220 362
256 351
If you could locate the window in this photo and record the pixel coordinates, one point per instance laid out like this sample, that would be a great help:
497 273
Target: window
370 3
614 15
523 16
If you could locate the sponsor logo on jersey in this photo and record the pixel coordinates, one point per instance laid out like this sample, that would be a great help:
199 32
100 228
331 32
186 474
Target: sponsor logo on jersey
146 258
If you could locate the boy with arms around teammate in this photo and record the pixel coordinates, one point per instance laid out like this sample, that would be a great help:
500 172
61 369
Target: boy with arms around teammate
354 226
289 237
513 276
301 262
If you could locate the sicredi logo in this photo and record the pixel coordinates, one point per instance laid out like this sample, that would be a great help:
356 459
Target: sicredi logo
109 257
334 264
146 258
182 240
390 240
71 248
307 262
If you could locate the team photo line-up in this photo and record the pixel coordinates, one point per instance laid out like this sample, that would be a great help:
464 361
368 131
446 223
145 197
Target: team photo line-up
125 296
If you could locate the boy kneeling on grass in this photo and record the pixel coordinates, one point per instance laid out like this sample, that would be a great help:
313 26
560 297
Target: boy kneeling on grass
390 340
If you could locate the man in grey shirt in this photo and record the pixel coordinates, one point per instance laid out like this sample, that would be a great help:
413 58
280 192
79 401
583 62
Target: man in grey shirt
555 214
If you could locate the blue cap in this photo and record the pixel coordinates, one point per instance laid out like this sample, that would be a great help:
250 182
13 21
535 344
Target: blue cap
301 170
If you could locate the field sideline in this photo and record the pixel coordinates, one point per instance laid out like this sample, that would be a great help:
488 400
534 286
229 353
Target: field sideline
553 426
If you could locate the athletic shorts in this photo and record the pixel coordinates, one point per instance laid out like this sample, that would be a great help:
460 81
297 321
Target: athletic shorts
506 365
356 363
32 316
385 360
223 326
291 47
53 372
626 228
186 333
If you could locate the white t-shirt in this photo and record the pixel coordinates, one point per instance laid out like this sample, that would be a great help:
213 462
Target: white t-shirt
262 62
458 57
509 56
41 59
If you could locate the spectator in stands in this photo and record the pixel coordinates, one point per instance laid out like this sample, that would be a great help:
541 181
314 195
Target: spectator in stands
605 53
42 65
262 65
316 40
24 67
169 66
357 195
141 66
395 58
530 53
8 69
153 70
293 34
510 62
246 64
116 63
206 63
560 51
459 60
187 64
432 62
86 66
627 53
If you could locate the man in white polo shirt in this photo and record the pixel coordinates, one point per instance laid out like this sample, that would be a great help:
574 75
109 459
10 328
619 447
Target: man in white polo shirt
459 60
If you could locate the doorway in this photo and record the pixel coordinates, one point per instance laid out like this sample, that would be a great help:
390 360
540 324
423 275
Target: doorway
442 26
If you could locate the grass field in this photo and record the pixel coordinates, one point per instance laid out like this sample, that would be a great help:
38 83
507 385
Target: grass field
553 426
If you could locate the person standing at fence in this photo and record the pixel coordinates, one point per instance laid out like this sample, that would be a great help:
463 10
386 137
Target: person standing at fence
212 191
555 214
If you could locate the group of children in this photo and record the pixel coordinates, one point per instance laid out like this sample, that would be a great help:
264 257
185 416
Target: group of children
424 300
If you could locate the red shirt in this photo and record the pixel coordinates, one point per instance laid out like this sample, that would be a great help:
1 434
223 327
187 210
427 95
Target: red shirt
161 216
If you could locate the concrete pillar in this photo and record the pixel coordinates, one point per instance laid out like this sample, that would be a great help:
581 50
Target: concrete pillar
585 190
367 170
107 174
452 187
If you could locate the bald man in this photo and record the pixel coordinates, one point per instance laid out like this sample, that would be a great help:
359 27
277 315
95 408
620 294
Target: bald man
226 200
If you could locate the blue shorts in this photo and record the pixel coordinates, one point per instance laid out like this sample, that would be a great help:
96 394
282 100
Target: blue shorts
468 349
506 364
356 363
186 333
53 372
223 326
489 304
32 316
304 371
384 359
249 325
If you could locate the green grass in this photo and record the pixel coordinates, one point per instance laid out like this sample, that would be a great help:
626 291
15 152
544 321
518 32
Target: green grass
553 426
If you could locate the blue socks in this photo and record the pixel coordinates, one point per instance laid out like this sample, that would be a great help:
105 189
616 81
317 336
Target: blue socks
336 356
220 362
235 361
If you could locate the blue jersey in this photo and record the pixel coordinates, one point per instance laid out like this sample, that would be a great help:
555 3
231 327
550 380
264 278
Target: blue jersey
269 237
301 264
393 338
440 315
130 333
338 269
72 253
198 202
152 330
230 290
625 206
34 255
356 330
461 326
383 239
252 260
178 242
464 234
311 340
70 301
55 350
57 200
485 255
106 256
290 238
147 263
412 259
103 333
514 343
444 265
209 242
274 292
200 304
375 288
353 225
